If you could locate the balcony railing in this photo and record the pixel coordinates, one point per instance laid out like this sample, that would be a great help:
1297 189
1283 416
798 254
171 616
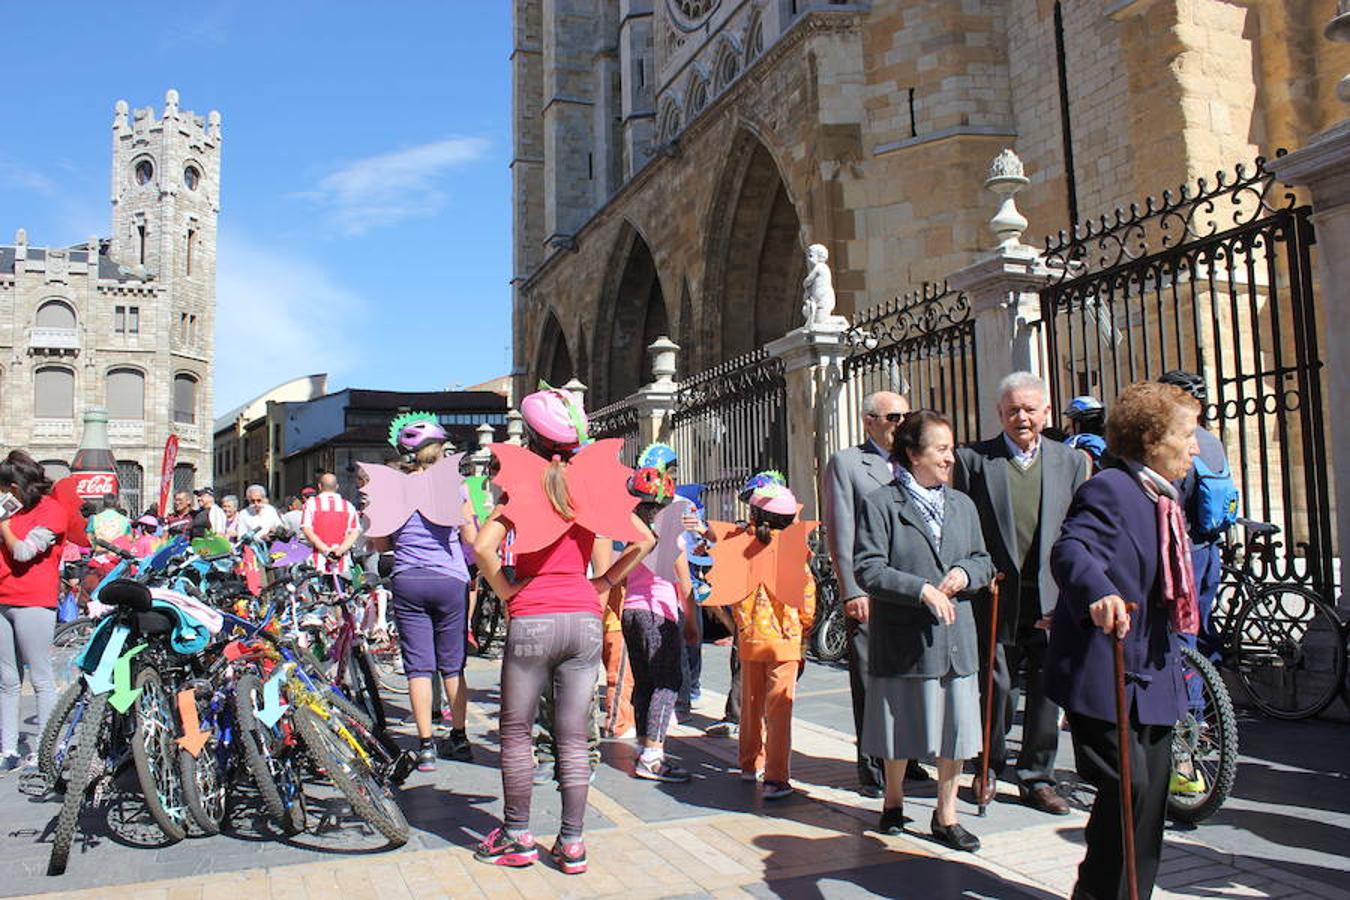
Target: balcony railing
60 340
188 435
53 431
126 431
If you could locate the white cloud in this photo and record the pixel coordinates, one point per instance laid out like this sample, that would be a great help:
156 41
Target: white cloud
390 187
279 316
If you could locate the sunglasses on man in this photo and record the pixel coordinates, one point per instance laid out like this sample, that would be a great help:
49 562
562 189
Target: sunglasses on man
894 418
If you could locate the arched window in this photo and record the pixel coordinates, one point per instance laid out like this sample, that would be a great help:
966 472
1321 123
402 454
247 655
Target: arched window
55 314
126 394
130 477
53 393
55 469
698 97
185 399
670 121
754 42
184 477
728 67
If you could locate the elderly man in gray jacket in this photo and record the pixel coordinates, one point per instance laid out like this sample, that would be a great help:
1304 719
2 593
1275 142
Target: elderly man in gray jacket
850 476
1022 486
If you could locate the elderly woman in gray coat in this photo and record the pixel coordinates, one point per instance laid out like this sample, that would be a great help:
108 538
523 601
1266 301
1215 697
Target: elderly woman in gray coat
919 554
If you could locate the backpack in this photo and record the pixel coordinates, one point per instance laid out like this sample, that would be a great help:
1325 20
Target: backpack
1214 505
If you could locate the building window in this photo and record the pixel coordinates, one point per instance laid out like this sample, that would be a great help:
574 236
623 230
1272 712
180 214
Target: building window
184 477
145 170
126 394
191 239
185 399
55 314
133 320
191 177
55 469
140 235
120 319
53 393
130 477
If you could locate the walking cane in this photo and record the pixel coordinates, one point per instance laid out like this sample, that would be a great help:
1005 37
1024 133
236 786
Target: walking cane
1123 750
983 781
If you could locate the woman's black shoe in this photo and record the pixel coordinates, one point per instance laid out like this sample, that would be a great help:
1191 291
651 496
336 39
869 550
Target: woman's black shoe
892 821
954 836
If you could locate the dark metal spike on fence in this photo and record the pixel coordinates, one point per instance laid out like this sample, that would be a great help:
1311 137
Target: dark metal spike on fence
1202 185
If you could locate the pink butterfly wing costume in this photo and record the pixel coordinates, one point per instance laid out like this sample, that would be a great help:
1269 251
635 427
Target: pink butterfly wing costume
393 496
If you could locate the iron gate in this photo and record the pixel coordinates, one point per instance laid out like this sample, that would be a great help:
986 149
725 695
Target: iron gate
1216 279
921 344
730 421
618 420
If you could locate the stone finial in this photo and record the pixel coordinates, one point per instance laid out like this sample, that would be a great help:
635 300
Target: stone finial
213 123
576 387
663 351
120 109
1006 178
515 427
485 435
170 103
1338 29
21 237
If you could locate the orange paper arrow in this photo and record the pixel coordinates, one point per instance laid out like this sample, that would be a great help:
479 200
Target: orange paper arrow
194 738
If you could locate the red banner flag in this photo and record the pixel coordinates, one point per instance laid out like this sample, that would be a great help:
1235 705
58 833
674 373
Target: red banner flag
166 473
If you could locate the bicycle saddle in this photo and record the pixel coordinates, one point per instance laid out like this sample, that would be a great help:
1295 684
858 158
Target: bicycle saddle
127 593
1258 528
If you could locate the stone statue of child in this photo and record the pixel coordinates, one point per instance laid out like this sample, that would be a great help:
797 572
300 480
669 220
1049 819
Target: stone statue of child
818 289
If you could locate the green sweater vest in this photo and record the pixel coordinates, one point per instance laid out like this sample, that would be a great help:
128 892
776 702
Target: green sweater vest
1025 487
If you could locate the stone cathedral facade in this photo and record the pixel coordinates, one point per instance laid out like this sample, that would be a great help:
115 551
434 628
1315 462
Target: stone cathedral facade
674 158
127 321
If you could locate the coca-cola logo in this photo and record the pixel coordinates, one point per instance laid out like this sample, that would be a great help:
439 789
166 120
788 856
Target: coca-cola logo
95 484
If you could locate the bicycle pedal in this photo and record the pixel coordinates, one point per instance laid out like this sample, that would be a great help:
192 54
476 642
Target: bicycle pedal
403 767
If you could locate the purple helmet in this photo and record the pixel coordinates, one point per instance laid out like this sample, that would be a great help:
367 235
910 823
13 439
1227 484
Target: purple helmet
413 431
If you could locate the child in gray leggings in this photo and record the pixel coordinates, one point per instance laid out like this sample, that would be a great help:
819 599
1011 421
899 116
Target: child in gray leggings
25 638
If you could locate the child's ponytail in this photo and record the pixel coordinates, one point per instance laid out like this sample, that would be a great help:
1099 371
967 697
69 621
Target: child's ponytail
555 488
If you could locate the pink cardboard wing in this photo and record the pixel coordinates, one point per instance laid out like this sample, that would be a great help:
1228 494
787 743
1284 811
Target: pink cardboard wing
393 496
669 539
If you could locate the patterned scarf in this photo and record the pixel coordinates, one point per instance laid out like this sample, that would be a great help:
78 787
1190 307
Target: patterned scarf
1174 553
932 502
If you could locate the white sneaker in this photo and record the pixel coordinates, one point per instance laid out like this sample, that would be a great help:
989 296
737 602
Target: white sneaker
752 776
628 735
723 729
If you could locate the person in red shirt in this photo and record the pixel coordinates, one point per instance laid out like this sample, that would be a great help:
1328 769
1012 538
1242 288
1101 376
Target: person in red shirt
32 533
329 523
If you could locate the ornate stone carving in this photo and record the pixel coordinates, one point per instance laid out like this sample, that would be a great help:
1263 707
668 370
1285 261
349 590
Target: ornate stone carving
818 289
1006 178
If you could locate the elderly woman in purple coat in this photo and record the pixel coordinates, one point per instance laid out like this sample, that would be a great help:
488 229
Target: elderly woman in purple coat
1124 542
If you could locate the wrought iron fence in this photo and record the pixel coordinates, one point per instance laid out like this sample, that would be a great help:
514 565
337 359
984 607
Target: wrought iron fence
730 421
921 344
1216 279
618 420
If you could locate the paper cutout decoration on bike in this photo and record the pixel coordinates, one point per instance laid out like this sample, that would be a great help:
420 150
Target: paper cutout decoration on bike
212 545
480 495
741 564
393 496
289 553
596 481
669 539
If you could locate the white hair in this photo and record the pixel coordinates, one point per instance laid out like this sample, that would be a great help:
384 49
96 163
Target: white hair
869 403
1019 381
256 487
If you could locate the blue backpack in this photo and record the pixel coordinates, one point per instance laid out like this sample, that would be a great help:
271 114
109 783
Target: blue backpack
1214 506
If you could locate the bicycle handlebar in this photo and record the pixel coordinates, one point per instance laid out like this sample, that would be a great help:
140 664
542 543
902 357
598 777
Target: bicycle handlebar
113 548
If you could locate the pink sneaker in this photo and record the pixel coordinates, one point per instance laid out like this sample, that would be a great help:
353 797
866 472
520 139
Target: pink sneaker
570 857
499 849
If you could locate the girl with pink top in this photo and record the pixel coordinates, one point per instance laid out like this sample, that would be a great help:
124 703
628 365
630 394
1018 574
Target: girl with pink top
559 495
658 596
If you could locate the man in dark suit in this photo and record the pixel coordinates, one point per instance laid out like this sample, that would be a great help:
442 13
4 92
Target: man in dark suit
1022 486
851 475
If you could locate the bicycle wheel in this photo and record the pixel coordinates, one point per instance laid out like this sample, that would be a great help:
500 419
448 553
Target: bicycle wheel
333 754
155 751
365 687
1230 598
1289 652
829 639
67 641
204 776
487 619
268 759
79 774
1204 744
57 736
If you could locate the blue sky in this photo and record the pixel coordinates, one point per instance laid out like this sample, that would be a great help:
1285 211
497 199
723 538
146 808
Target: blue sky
365 223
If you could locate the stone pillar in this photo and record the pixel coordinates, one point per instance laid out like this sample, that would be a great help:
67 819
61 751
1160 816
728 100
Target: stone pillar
656 401
811 357
515 427
1003 288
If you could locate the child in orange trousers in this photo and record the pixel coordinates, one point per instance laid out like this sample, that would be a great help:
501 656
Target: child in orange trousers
619 718
769 635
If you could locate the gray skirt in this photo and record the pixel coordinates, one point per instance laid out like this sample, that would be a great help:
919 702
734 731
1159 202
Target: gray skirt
923 718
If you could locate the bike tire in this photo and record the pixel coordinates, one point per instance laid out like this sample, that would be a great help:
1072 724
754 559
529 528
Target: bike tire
81 770
1289 652
493 630
829 638
59 731
67 640
205 781
1217 730
264 764
155 753
365 686
372 801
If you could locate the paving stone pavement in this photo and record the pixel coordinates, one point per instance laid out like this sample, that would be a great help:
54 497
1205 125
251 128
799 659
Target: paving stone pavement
713 837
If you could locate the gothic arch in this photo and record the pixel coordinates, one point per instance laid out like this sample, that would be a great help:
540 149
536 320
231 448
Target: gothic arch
755 256
554 359
633 313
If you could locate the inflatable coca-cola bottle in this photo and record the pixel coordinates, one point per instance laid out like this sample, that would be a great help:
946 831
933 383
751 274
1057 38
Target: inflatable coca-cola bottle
94 467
